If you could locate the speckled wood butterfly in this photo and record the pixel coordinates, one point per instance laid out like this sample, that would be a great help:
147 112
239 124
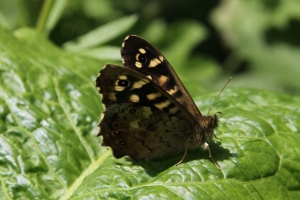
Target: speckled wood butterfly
148 111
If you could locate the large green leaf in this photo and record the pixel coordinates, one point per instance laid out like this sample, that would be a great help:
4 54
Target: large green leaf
49 110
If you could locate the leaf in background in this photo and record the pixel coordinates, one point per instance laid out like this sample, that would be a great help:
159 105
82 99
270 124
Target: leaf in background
102 34
244 26
55 14
188 35
155 30
8 18
103 53
49 110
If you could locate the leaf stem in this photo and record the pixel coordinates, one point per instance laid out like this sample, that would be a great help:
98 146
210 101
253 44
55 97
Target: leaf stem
41 23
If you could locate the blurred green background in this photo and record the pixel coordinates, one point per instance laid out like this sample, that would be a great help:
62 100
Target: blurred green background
256 42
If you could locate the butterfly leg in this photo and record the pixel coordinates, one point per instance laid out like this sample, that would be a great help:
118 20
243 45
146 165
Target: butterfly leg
217 137
206 146
185 152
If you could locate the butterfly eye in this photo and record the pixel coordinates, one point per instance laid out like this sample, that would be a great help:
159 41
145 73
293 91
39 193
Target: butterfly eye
123 83
142 58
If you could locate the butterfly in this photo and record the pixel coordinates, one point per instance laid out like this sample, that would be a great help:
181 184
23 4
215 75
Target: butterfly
148 113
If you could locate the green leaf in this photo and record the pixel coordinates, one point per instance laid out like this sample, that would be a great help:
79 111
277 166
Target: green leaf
189 34
54 15
249 28
48 118
102 34
49 111
103 53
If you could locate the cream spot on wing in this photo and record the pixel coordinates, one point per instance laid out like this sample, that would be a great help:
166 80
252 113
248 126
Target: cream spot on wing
101 95
173 91
154 62
146 80
162 79
142 51
150 77
134 98
162 105
119 88
173 110
126 37
137 56
138 64
138 84
123 77
153 96
123 44
161 58
112 96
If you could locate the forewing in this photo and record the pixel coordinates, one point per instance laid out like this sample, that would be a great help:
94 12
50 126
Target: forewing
141 56
117 84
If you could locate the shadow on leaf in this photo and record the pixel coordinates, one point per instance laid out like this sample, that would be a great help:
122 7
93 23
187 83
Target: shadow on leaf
154 167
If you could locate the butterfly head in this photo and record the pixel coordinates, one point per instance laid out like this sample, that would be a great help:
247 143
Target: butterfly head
205 129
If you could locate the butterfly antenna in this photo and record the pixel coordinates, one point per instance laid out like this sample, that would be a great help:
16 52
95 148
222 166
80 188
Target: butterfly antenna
219 94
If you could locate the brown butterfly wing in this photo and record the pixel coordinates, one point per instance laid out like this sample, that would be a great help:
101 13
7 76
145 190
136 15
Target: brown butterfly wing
141 56
143 133
141 119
